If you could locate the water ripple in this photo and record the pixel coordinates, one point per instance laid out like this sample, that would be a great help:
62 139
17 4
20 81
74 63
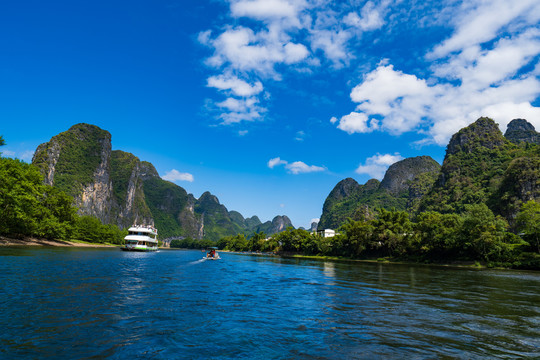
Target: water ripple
103 303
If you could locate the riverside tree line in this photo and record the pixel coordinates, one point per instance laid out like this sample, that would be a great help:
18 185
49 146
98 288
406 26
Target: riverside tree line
29 208
475 235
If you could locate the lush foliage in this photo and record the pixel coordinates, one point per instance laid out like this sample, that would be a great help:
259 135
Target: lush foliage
189 243
528 223
89 228
80 153
475 235
482 167
28 207
403 185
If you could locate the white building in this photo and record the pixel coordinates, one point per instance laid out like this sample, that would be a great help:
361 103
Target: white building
326 233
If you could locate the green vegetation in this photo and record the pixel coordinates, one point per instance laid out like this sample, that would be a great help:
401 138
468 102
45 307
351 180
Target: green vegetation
80 153
217 221
122 166
29 208
528 224
164 201
477 235
482 167
403 186
189 243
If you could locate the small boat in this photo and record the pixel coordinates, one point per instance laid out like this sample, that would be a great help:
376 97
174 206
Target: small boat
141 238
212 254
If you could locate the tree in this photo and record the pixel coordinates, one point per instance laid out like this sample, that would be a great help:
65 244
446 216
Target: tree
292 239
392 232
21 190
528 222
482 234
256 241
435 235
355 237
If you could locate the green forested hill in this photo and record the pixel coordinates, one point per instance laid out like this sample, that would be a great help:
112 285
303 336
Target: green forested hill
403 185
481 166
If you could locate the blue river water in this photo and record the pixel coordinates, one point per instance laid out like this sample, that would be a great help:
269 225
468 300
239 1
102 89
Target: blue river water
80 303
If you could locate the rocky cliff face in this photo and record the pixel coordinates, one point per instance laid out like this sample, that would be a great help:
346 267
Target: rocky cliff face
78 162
118 188
520 130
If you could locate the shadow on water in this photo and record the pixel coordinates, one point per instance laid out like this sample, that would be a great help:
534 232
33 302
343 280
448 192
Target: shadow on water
105 303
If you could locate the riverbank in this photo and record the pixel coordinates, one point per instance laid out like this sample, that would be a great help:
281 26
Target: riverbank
477 265
29 241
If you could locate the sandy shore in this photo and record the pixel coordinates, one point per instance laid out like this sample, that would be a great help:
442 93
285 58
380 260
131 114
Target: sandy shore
44 242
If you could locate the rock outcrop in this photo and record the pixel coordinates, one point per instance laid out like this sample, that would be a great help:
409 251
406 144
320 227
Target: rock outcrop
484 133
520 130
399 176
278 224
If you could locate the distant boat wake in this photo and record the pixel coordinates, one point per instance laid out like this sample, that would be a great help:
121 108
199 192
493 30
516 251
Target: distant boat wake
197 261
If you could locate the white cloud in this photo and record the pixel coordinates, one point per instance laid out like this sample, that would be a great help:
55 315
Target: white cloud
377 165
264 9
487 65
371 18
398 97
356 123
333 44
242 49
237 86
282 34
499 81
175 175
481 21
238 110
275 161
315 220
297 167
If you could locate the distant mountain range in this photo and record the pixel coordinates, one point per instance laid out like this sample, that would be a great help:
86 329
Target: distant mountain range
481 166
118 188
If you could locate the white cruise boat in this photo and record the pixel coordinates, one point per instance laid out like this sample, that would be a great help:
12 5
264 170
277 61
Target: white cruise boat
141 238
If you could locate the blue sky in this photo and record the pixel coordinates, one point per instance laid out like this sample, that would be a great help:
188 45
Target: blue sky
267 103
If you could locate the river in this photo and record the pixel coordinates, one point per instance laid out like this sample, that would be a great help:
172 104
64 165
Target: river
80 303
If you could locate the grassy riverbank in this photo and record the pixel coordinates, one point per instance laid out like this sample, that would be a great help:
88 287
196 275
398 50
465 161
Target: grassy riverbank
30 241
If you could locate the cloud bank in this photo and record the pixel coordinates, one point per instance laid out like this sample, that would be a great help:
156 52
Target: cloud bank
485 64
488 67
